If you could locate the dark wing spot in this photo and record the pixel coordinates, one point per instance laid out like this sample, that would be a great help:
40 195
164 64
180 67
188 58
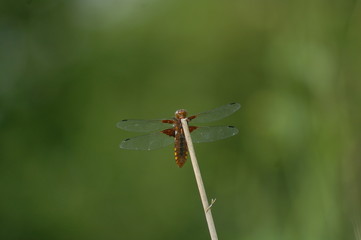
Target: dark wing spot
170 132
124 120
126 139
231 126
232 103
168 121
192 128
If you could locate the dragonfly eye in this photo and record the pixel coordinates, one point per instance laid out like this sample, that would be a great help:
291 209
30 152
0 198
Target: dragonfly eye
181 113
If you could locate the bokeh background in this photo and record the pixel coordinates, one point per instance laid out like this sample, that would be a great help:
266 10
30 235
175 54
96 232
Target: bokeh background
70 70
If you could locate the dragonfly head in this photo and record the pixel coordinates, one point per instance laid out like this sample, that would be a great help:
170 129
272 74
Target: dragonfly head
181 113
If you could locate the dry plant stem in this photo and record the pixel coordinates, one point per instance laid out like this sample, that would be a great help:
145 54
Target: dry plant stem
197 173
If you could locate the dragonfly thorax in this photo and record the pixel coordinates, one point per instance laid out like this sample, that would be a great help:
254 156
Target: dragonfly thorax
181 113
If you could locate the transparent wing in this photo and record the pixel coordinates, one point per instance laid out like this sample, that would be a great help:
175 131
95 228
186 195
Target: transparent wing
216 114
147 142
214 133
138 125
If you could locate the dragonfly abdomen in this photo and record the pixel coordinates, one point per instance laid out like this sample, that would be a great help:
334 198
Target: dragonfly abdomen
180 149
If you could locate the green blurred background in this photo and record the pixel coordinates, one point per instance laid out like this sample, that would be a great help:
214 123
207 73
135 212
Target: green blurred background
69 70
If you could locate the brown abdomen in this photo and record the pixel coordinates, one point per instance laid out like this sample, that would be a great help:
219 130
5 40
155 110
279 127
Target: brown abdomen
180 149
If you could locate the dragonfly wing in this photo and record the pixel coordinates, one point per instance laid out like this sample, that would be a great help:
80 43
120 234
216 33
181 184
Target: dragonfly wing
217 113
138 125
214 133
147 142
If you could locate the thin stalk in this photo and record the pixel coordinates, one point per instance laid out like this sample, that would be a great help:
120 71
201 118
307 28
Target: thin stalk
197 173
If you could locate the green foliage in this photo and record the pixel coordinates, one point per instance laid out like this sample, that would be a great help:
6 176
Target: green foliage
70 70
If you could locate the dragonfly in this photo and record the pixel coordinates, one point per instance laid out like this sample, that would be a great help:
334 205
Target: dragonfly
165 132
